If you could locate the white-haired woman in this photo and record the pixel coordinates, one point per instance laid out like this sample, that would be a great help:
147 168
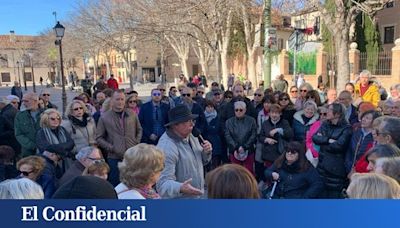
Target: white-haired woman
240 135
302 120
22 188
139 171
80 125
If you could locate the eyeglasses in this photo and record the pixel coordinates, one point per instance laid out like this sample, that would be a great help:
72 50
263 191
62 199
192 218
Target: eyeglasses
217 94
55 118
291 152
293 91
25 173
131 102
239 110
186 95
229 97
201 92
323 113
96 160
258 95
46 94
156 94
284 99
303 90
78 108
308 97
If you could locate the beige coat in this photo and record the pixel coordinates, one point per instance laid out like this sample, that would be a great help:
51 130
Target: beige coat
115 135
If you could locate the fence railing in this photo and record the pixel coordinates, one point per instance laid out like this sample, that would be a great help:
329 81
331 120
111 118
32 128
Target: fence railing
377 63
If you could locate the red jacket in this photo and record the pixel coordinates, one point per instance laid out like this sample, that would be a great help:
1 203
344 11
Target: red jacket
112 84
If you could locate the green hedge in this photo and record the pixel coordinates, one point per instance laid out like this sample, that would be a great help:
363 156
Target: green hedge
305 62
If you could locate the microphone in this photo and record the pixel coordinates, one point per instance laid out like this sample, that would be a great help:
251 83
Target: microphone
196 133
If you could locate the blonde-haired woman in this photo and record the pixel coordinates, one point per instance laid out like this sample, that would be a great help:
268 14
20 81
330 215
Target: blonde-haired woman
373 186
52 136
139 171
80 125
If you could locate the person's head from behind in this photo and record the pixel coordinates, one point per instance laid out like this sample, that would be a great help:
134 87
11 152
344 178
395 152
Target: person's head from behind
31 167
22 188
380 151
86 187
141 166
7 154
99 168
231 181
373 186
389 166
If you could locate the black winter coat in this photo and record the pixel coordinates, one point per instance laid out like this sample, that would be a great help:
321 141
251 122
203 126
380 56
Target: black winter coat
241 133
271 152
63 149
296 185
331 165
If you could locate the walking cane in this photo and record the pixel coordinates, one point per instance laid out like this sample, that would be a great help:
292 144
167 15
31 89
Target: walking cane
273 190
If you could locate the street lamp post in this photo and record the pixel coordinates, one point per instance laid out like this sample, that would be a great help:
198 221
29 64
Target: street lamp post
33 75
59 30
23 73
19 75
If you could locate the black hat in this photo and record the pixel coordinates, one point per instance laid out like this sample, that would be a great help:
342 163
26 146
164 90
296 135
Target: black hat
179 114
86 187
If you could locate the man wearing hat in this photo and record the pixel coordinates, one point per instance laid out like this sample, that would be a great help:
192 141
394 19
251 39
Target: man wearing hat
185 156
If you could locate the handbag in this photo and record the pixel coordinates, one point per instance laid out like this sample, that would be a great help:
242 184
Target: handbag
281 145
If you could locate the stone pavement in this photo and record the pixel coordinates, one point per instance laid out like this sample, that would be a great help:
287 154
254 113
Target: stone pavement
144 91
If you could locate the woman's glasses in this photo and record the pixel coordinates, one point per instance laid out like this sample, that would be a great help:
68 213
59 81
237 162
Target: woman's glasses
78 108
55 118
239 110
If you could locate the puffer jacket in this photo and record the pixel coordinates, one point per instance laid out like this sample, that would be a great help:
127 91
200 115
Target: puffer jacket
331 165
82 136
294 184
241 132
372 94
300 128
271 152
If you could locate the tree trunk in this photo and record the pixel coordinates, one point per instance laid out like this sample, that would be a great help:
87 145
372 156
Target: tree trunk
225 69
251 69
184 66
343 62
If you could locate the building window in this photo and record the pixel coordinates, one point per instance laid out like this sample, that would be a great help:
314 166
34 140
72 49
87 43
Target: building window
28 76
388 35
3 60
5 77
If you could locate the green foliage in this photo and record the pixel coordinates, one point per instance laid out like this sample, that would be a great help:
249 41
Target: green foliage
305 62
327 37
237 44
368 40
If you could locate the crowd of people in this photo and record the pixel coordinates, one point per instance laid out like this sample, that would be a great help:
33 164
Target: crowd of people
287 142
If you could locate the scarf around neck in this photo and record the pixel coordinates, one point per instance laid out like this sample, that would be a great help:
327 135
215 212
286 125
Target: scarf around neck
210 115
56 136
78 122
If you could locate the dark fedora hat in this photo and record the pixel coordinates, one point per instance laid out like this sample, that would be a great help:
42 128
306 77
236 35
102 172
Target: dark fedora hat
179 114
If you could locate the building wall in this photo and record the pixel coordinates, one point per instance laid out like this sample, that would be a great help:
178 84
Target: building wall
386 18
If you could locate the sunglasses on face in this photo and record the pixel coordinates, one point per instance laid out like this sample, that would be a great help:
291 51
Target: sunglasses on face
78 108
186 95
200 92
131 102
26 173
258 94
291 152
293 91
46 95
54 118
310 97
239 110
228 97
303 90
323 114
156 94
284 99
